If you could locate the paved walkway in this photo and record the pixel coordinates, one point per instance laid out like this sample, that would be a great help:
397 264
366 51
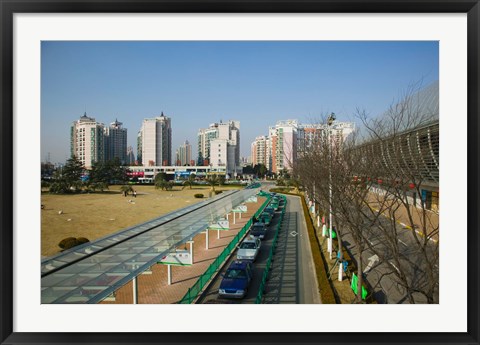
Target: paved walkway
154 289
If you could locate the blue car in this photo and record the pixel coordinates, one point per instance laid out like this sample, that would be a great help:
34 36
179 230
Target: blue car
270 210
236 280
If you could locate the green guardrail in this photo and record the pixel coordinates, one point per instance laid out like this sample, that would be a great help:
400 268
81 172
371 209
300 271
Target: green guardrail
261 290
197 288
253 185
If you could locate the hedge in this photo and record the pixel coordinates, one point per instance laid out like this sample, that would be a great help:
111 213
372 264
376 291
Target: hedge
198 196
326 289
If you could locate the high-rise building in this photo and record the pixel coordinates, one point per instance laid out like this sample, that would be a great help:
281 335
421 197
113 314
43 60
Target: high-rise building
204 137
219 145
286 145
130 156
139 148
156 141
271 149
87 141
310 136
289 139
259 151
116 142
184 154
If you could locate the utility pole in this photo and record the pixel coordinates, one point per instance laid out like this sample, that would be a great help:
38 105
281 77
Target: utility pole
331 119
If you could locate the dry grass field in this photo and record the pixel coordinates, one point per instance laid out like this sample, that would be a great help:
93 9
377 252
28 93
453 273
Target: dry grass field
98 214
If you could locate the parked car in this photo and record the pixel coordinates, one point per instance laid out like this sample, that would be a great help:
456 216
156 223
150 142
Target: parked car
259 230
236 280
249 249
270 210
266 218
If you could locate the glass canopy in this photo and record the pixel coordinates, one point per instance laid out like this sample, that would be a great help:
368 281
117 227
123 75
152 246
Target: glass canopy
91 272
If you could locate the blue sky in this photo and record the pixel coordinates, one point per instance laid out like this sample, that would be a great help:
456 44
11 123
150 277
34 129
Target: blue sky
201 82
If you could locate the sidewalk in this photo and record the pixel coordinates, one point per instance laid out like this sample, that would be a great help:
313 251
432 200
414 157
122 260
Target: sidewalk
154 289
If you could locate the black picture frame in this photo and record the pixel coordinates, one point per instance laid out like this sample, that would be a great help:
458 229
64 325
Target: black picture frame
7 174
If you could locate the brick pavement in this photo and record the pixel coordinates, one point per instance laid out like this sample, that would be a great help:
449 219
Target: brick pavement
154 289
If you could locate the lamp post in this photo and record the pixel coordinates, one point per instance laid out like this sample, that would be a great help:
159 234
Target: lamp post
330 120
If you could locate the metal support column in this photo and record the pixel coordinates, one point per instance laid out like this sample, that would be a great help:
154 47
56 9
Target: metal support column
135 290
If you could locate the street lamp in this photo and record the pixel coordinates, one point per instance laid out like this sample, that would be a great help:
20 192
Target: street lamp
330 121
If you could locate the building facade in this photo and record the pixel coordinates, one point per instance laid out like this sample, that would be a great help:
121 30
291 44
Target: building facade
130 156
116 142
156 141
184 154
310 136
259 150
219 145
289 139
87 142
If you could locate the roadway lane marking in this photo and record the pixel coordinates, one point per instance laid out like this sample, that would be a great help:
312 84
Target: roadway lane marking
371 262
407 227
394 266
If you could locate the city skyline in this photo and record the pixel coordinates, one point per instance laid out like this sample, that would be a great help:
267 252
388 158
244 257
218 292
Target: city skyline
198 83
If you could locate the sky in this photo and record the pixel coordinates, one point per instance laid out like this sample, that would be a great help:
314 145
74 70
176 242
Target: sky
197 83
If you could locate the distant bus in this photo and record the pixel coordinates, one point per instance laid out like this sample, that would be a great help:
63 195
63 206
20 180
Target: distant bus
145 180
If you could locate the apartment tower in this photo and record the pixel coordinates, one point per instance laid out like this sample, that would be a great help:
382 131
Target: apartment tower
87 141
156 141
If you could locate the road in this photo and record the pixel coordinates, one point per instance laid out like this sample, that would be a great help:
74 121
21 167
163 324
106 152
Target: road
380 273
292 276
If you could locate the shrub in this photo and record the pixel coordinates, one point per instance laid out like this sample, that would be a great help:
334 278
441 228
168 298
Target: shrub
71 242
218 192
82 240
324 284
286 190
198 196
65 241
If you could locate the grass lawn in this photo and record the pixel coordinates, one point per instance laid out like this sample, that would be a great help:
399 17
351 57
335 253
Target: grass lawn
98 214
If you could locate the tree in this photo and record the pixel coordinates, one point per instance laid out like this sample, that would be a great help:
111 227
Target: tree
260 170
284 173
160 182
212 181
68 178
190 181
374 186
402 176
125 189
248 170
108 172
